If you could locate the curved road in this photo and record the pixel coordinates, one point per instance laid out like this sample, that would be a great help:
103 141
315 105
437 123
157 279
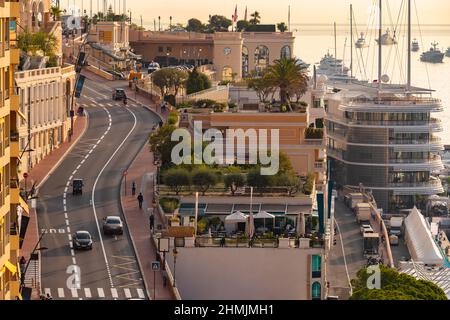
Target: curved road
114 137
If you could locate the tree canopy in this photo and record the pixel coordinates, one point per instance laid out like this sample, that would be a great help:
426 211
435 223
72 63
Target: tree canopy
197 81
395 286
169 80
256 18
195 25
218 23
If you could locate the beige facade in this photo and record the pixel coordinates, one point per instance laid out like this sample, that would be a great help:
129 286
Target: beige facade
48 92
233 54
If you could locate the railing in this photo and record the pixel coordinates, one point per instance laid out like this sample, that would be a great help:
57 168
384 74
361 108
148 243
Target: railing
395 102
394 122
431 184
243 242
413 161
314 142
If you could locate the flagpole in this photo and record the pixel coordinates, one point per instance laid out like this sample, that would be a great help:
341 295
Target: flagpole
196 214
251 213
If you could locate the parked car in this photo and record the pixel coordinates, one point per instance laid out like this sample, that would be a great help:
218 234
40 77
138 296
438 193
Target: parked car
112 225
366 228
118 94
82 240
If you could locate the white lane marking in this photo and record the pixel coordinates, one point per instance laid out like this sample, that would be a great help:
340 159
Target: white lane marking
70 244
79 166
127 293
70 178
66 189
114 293
86 156
83 161
72 253
74 293
74 172
101 293
68 229
70 237
65 195
67 222
64 201
87 293
344 256
60 292
65 214
74 261
68 184
95 186
141 293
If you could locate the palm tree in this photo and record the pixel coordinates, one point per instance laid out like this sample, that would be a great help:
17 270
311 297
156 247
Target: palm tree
55 12
256 18
288 76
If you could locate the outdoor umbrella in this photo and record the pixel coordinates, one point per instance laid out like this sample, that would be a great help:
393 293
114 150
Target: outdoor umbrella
265 215
236 217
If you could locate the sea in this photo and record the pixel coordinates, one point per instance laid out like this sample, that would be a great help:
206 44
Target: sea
314 41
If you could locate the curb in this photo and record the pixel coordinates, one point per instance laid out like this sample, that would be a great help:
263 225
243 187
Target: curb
56 166
148 108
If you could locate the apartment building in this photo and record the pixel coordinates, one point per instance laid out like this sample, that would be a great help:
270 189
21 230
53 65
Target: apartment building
45 100
45 92
13 208
385 140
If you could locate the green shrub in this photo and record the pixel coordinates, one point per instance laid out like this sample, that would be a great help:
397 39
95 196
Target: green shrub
176 179
232 105
184 105
173 118
169 205
204 179
313 133
205 103
219 107
309 184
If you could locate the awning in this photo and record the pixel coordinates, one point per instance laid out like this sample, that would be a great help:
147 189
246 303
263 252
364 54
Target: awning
264 215
12 268
236 217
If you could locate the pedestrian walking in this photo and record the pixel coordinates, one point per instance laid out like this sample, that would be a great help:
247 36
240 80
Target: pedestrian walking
152 222
133 189
140 199
22 263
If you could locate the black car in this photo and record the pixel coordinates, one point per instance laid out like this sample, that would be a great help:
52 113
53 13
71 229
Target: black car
77 186
118 94
82 240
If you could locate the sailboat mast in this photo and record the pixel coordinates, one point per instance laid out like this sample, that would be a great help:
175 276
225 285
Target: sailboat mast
380 50
409 46
335 45
351 40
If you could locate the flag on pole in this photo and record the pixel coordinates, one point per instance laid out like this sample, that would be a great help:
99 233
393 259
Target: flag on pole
235 15
245 13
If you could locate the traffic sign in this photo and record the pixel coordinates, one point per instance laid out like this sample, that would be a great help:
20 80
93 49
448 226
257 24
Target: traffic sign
155 265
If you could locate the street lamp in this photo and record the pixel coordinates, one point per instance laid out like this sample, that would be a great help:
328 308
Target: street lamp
175 253
170 26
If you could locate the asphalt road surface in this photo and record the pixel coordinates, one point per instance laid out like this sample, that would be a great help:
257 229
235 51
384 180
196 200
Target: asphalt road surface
114 137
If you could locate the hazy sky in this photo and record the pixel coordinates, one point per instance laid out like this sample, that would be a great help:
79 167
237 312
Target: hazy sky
302 11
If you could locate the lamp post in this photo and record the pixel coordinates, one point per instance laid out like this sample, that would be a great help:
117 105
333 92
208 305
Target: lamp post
159 23
175 253
170 25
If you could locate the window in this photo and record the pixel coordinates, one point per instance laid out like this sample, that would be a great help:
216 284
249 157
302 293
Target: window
227 74
316 266
286 52
261 58
316 291
244 61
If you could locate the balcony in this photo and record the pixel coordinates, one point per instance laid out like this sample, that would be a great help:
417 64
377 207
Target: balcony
14 145
15 55
15 9
14 102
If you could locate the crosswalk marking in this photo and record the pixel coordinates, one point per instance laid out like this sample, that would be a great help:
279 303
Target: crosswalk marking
96 293
74 293
141 293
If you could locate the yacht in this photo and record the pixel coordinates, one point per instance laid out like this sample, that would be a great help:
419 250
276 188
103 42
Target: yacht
415 46
334 69
361 43
387 39
447 53
434 55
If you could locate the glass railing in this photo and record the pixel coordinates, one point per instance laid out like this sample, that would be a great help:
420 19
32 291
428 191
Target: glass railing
395 101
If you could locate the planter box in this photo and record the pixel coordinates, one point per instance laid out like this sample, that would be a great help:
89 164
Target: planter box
304 243
283 243
189 242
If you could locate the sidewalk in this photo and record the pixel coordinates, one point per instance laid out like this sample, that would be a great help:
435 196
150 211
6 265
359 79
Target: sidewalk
38 175
142 172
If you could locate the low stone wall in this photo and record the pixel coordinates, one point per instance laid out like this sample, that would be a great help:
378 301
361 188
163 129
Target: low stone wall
100 73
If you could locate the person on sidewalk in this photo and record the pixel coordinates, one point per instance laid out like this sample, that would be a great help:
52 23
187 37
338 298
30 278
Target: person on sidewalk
152 222
140 199
133 189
